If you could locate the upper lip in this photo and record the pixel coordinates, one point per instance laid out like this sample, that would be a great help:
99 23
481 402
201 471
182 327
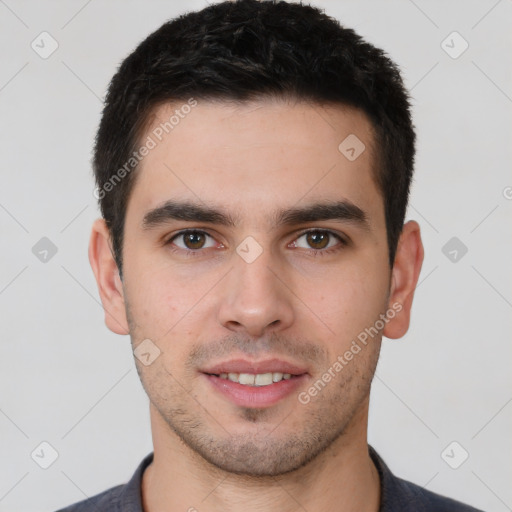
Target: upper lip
253 367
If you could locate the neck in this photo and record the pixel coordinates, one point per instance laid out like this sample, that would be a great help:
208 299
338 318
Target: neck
342 478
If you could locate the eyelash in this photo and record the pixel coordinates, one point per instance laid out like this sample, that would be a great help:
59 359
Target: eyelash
314 252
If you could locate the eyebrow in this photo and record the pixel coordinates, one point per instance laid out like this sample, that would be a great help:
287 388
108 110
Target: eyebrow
344 211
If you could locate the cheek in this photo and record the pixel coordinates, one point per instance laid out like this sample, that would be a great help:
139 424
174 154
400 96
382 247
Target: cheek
153 305
170 312
351 301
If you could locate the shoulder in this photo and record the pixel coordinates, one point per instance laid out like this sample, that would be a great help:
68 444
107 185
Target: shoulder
400 495
122 498
407 494
106 501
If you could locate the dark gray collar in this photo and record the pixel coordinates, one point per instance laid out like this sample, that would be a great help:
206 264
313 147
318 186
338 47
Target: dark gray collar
397 495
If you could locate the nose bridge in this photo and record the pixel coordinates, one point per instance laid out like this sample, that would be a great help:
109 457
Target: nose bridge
254 297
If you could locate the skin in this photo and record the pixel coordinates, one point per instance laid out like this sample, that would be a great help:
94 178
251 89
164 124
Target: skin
291 303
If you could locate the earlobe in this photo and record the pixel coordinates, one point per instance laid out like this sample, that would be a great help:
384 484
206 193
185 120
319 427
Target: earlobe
107 277
404 279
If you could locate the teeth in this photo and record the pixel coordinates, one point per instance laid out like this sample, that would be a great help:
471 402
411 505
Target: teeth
261 379
246 378
276 377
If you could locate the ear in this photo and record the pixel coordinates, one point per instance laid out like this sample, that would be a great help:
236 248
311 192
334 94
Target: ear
404 278
107 278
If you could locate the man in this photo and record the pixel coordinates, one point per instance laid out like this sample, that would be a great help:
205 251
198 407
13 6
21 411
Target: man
253 165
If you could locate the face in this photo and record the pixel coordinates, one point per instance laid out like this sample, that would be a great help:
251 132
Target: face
255 255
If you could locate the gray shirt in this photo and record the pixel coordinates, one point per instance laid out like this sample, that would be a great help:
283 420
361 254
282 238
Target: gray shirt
397 495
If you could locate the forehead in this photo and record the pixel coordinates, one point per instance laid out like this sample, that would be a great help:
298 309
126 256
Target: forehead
257 156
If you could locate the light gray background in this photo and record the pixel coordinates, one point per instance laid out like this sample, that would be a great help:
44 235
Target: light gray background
67 380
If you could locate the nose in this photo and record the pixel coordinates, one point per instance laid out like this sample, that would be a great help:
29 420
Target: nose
255 298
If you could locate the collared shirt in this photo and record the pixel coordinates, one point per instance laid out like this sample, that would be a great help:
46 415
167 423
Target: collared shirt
397 495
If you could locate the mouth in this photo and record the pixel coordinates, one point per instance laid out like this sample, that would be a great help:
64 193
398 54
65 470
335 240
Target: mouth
259 379
256 385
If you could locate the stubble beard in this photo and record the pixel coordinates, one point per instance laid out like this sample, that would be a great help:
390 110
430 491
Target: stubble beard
267 451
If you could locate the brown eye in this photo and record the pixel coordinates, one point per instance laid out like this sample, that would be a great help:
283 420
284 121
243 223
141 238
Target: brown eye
318 239
193 240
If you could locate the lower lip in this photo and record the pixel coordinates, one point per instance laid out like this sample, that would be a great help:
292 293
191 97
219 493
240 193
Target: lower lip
256 396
